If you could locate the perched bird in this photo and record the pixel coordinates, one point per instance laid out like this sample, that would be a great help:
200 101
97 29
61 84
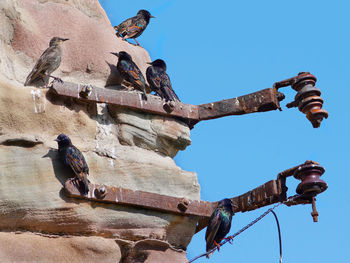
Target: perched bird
73 158
159 80
219 224
48 62
130 71
134 26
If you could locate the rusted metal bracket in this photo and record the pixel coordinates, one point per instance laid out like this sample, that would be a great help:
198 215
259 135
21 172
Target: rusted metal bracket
269 193
260 101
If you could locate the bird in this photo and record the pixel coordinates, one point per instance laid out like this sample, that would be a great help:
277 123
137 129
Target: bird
159 80
219 224
134 26
73 158
48 62
130 72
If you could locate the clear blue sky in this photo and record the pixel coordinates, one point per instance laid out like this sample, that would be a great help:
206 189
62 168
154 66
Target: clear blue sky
222 49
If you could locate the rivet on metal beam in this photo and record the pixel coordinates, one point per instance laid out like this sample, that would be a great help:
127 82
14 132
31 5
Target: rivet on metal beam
183 204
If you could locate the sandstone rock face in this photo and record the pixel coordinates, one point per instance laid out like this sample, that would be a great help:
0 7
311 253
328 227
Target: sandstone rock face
26 247
123 148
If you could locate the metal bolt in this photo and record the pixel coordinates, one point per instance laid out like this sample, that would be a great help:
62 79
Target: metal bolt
314 212
183 204
85 91
101 192
169 106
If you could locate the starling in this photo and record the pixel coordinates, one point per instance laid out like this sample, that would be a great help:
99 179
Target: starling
134 26
219 224
159 80
49 61
130 71
73 158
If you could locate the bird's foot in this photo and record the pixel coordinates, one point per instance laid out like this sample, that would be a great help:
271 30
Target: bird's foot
56 79
74 181
137 43
228 239
217 245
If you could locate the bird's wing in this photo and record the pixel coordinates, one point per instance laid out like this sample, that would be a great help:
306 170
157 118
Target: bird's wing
49 57
133 71
167 88
76 160
132 26
154 80
212 229
136 28
122 27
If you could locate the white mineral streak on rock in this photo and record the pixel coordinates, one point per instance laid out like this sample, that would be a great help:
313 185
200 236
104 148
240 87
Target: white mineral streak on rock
33 92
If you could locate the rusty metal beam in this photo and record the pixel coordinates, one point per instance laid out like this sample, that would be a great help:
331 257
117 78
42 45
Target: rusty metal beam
269 193
260 101
128 99
122 196
263 195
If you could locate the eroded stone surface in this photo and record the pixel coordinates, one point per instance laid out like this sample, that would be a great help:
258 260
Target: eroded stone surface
27 247
123 148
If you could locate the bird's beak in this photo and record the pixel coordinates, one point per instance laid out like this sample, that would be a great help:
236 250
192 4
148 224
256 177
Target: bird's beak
55 140
150 63
115 54
152 17
64 39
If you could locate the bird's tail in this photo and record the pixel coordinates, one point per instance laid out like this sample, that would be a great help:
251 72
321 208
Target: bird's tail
120 32
144 94
83 179
143 89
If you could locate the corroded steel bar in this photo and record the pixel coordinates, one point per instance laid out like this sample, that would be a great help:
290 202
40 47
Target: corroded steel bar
260 101
266 194
127 99
261 196
142 199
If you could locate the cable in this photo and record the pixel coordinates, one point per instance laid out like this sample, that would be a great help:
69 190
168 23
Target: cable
279 234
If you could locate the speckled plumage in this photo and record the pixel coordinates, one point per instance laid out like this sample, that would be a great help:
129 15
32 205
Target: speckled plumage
73 158
159 80
219 224
48 62
130 72
134 26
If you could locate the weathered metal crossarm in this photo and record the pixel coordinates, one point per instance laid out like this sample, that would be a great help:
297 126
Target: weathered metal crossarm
153 201
127 99
260 101
269 193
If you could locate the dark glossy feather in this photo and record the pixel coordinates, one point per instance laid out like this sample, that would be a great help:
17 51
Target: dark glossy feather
160 83
131 72
73 158
133 27
219 224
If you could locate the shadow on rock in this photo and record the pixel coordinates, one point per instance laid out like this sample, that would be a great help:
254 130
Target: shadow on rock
114 79
62 172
